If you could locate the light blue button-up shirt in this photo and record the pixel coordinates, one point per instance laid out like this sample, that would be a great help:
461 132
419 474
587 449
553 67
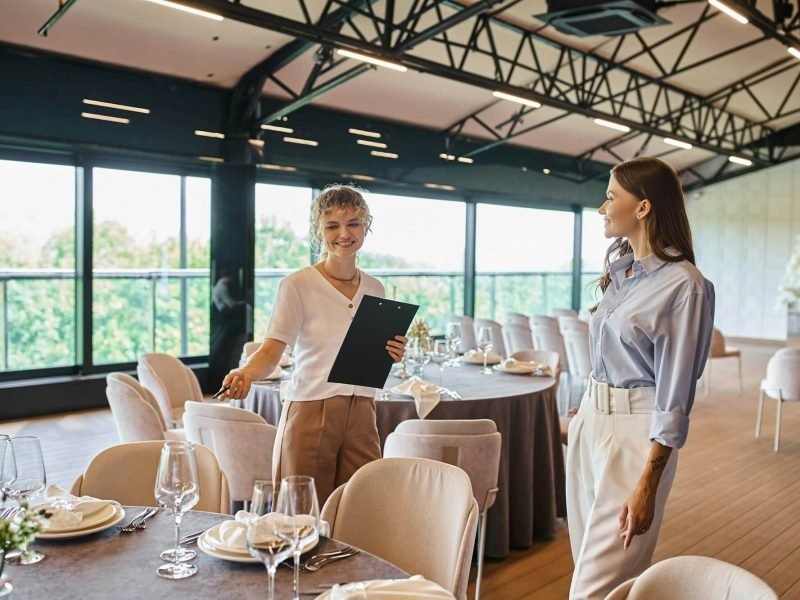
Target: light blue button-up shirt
653 329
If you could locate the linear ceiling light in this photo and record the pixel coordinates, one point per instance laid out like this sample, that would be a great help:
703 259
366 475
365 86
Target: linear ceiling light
439 186
188 9
678 143
357 176
278 128
728 11
135 109
211 134
373 61
740 161
447 156
794 52
294 140
371 143
546 171
277 167
611 125
122 120
465 159
364 133
211 158
383 154
517 99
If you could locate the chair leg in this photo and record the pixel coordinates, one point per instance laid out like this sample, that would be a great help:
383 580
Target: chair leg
778 424
481 546
708 377
739 358
760 412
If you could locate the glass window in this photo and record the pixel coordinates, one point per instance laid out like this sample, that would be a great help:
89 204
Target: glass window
282 243
37 266
593 249
416 249
523 258
144 297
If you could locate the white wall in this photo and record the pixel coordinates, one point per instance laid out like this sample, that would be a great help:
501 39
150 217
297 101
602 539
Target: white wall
744 230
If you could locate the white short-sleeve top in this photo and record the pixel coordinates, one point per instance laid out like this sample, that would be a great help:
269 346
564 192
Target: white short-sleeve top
313 316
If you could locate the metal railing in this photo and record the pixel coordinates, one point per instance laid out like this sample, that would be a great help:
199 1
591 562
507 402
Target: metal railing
440 292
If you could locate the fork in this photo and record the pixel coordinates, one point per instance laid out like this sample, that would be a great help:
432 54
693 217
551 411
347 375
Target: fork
130 527
142 524
315 565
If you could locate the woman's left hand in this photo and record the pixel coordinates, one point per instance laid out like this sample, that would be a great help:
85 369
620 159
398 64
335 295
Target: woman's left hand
397 347
636 515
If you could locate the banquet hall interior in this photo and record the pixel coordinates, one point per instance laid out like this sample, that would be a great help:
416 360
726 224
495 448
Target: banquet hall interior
158 164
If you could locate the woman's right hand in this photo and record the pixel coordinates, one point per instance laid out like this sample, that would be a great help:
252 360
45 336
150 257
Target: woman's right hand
238 382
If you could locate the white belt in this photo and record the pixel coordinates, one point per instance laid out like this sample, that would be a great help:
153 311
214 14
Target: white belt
607 399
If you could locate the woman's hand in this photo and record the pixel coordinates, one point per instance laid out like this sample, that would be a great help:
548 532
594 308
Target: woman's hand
238 383
637 514
397 347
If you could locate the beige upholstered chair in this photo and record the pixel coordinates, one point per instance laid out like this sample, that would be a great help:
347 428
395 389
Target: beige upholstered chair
241 440
127 474
170 381
472 445
544 321
563 312
693 578
782 384
719 350
546 336
566 324
498 341
467 332
248 349
518 319
416 513
136 412
518 337
545 357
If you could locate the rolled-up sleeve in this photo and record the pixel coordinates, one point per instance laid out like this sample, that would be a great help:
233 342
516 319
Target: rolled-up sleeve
681 349
287 314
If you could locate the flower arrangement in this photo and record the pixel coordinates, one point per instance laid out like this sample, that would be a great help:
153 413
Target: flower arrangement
789 290
17 531
419 330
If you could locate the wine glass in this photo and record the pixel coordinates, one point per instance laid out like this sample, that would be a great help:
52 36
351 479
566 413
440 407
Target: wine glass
177 489
25 458
454 341
440 355
262 541
485 344
421 352
297 518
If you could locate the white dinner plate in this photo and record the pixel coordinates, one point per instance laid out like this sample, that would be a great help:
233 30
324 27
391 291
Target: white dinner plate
407 394
518 370
477 359
216 550
101 516
118 515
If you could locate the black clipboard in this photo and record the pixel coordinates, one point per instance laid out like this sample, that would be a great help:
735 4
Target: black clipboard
363 358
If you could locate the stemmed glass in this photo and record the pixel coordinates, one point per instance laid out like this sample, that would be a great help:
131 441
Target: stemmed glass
454 340
422 351
485 344
177 489
297 518
262 540
440 355
25 458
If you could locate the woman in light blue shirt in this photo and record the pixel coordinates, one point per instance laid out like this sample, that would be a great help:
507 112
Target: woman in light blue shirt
650 335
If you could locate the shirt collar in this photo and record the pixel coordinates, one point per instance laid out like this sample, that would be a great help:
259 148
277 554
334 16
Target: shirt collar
649 264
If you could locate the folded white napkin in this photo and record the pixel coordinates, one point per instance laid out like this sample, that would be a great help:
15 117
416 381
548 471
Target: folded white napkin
69 511
232 535
512 364
426 395
388 589
477 356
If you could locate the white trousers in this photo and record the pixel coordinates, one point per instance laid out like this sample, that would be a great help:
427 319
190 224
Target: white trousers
606 455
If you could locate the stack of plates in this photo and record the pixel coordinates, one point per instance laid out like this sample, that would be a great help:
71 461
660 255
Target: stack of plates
211 543
104 518
520 367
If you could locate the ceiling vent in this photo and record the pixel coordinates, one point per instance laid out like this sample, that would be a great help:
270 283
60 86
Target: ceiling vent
598 17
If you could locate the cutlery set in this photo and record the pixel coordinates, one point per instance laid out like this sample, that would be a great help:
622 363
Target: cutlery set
139 521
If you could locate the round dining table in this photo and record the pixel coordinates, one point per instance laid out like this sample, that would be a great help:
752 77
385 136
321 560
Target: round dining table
115 565
531 480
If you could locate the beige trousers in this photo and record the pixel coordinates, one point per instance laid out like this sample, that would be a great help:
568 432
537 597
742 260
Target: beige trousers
328 440
606 454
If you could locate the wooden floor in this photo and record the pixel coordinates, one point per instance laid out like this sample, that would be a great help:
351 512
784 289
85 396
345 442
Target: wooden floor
733 498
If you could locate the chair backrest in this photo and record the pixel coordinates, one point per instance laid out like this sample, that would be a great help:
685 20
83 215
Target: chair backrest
248 349
783 374
241 440
127 474
467 332
170 381
566 323
538 321
518 337
576 343
518 319
477 454
135 411
717 344
416 513
497 334
694 578
545 357
550 338
447 426
563 312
